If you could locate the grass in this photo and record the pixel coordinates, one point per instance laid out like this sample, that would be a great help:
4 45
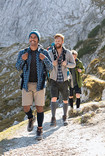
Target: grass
6 134
9 121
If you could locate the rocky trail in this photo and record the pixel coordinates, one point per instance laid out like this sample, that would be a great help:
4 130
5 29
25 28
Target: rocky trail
83 136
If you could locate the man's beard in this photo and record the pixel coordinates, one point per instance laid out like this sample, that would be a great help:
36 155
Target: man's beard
59 46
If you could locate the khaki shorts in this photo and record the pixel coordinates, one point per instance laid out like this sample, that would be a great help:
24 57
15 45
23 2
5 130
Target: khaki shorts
33 94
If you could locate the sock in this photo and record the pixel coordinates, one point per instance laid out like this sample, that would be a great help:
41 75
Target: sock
29 114
78 102
53 108
71 102
40 117
65 107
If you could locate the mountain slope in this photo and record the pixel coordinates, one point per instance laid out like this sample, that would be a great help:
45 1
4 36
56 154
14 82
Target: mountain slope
92 53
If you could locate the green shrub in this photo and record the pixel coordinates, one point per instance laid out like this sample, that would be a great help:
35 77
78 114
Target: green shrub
89 46
103 48
94 32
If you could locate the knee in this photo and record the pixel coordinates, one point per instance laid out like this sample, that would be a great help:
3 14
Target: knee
65 101
39 109
54 99
26 108
70 97
77 95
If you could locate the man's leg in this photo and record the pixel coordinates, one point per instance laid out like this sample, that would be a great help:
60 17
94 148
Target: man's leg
40 116
27 100
53 106
65 108
64 92
39 97
53 111
28 111
54 95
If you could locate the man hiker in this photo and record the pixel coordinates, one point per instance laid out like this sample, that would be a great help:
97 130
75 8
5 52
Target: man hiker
76 81
34 61
62 59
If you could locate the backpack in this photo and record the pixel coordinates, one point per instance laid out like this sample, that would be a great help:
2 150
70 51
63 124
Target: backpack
21 75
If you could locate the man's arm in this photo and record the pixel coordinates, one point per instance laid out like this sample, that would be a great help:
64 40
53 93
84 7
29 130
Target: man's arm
20 62
71 63
47 61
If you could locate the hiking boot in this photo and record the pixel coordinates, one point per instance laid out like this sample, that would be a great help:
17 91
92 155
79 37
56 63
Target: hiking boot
65 120
53 122
39 133
31 124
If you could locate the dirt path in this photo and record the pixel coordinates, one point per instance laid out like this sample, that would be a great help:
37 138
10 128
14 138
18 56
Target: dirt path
72 140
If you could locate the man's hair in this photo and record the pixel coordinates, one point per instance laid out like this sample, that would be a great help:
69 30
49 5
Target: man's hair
74 52
59 35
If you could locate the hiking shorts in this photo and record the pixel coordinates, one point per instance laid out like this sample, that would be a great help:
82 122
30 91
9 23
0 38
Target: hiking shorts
33 95
76 89
61 87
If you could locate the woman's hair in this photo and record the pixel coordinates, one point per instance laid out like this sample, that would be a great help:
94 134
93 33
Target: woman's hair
74 52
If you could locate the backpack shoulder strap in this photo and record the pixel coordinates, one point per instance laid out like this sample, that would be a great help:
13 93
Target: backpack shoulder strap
25 50
54 53
64 54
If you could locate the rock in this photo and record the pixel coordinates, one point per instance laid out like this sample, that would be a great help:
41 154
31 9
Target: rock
95 87
85 118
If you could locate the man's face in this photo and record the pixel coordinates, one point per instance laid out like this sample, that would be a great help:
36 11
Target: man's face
33 40
58 42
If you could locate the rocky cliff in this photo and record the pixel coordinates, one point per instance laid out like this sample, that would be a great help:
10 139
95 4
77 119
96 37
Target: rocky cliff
73 18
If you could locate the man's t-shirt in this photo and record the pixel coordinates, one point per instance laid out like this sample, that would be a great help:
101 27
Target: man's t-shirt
33 67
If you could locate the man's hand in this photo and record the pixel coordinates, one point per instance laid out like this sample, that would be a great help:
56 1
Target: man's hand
55 63
64 63
25 56
79 70
41 56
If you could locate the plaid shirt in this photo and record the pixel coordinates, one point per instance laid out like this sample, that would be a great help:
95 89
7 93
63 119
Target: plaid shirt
40 67
60 77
